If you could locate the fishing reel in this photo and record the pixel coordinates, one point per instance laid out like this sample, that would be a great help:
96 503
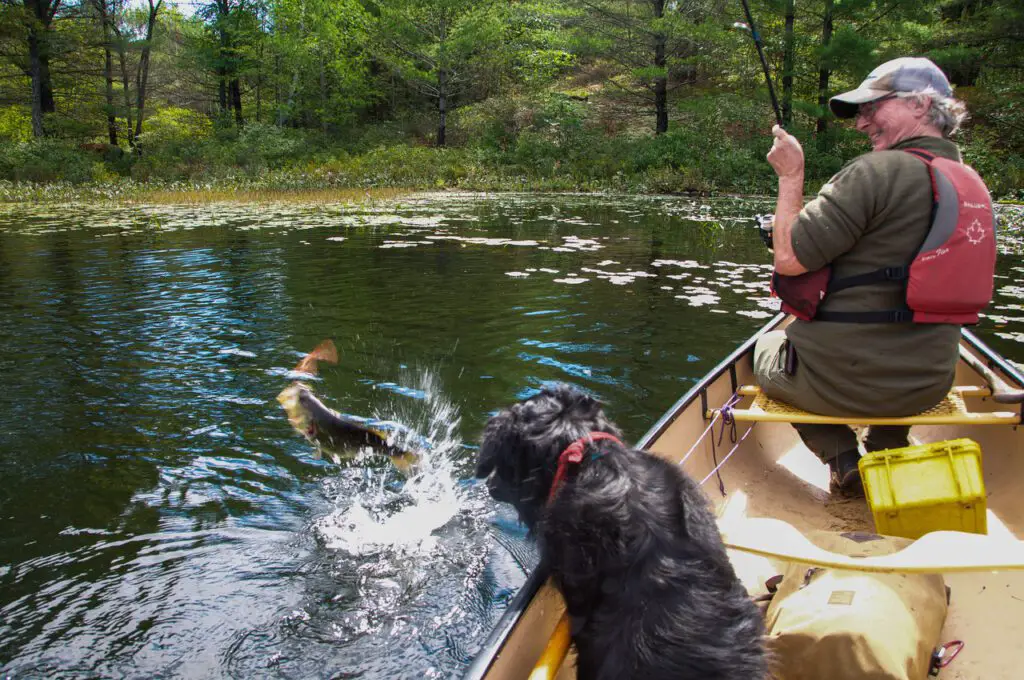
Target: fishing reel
765 223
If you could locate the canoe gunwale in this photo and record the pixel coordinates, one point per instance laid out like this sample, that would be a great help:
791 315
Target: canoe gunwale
485 658
995 360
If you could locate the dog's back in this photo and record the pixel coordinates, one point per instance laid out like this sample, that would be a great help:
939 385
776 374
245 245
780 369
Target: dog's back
637 554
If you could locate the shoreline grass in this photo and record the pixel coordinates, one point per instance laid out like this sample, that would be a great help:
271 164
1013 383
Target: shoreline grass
323 196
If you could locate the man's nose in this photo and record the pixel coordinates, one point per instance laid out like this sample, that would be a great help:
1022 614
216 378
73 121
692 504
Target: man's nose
861 121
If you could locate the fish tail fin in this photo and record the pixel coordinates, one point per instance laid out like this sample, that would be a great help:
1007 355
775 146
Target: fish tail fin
325 351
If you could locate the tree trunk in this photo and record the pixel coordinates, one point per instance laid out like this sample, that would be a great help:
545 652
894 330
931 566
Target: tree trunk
108 68
277 87
222 90
259 82
222 69
284 113
108 74
236 101
126 84
660 89
41 13
442 107
35 69
442 83
323 93
787 65
46 83
824 72
142 76
661 82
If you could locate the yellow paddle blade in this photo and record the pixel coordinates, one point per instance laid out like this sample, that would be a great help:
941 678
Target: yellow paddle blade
937 552
554 654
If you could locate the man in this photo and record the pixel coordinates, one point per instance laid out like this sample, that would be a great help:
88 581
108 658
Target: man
875 213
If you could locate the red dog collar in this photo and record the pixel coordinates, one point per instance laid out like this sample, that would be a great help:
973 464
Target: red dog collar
573 453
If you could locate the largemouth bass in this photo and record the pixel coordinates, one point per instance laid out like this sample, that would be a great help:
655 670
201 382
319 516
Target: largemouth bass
341 434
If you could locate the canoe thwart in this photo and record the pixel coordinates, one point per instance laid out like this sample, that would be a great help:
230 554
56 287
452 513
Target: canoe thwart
950 411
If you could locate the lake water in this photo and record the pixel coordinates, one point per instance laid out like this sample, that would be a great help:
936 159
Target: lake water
161 519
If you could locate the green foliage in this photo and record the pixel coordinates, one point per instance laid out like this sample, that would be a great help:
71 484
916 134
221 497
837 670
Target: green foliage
539 94
322 62
15 124
48 160
173 127
263 146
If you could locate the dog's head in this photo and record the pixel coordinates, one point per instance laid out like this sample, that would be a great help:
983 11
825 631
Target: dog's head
521 444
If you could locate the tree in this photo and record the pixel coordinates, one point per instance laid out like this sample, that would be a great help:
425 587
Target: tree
438 46
105 9
37 17
980 44
789 48
142 74
232 27
320 61
824 69
649 41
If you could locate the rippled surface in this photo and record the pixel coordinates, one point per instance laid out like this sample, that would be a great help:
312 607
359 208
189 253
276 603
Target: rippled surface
159 516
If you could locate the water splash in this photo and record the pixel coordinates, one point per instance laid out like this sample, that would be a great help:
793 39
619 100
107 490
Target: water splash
383 513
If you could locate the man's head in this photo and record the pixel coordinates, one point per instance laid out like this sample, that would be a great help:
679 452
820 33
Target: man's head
902 98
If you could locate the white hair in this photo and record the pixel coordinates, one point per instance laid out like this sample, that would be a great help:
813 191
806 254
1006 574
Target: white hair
945 113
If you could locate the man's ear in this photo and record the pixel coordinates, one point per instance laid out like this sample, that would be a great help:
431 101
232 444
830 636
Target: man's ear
920 105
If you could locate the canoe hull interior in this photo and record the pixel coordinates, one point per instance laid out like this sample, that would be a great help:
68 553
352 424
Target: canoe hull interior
772 474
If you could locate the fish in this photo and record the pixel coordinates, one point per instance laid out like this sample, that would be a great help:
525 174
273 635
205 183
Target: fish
341 434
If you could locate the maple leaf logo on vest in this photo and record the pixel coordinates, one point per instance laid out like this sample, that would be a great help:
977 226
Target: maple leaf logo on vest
975 234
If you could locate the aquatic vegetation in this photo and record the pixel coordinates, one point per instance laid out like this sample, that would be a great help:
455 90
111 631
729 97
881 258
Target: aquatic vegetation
129 192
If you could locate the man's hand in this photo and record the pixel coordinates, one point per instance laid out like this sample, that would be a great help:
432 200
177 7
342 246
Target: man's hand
786 155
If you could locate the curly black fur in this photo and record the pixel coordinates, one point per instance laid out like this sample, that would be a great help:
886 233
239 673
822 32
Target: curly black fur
631 543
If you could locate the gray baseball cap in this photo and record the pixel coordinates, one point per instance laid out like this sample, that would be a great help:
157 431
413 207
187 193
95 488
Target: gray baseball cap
906 74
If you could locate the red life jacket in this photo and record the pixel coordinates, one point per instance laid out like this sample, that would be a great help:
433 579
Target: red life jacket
950 279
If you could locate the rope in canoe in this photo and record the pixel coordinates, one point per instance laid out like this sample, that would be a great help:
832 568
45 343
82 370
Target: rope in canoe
728 422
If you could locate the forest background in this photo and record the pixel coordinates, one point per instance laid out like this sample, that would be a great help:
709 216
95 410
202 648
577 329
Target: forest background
621 95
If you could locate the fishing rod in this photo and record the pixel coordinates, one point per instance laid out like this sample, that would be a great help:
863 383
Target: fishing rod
749 26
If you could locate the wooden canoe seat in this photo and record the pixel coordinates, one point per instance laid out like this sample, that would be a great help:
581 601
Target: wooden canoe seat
755 406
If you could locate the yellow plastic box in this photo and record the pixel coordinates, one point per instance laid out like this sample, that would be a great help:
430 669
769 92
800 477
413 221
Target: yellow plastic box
918 489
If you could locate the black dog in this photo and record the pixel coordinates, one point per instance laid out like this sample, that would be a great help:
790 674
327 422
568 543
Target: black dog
631 543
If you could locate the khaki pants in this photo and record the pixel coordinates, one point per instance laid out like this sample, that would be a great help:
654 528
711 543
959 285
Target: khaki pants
778 374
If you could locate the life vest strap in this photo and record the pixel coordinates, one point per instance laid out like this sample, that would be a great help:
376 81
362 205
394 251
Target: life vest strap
889 316
878 276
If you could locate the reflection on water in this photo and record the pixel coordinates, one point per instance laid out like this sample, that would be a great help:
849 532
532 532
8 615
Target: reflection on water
161 518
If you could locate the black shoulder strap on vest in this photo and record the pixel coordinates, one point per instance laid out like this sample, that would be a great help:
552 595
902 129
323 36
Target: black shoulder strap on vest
921 153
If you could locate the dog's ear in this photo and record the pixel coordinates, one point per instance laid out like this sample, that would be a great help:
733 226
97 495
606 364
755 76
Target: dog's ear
499 434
